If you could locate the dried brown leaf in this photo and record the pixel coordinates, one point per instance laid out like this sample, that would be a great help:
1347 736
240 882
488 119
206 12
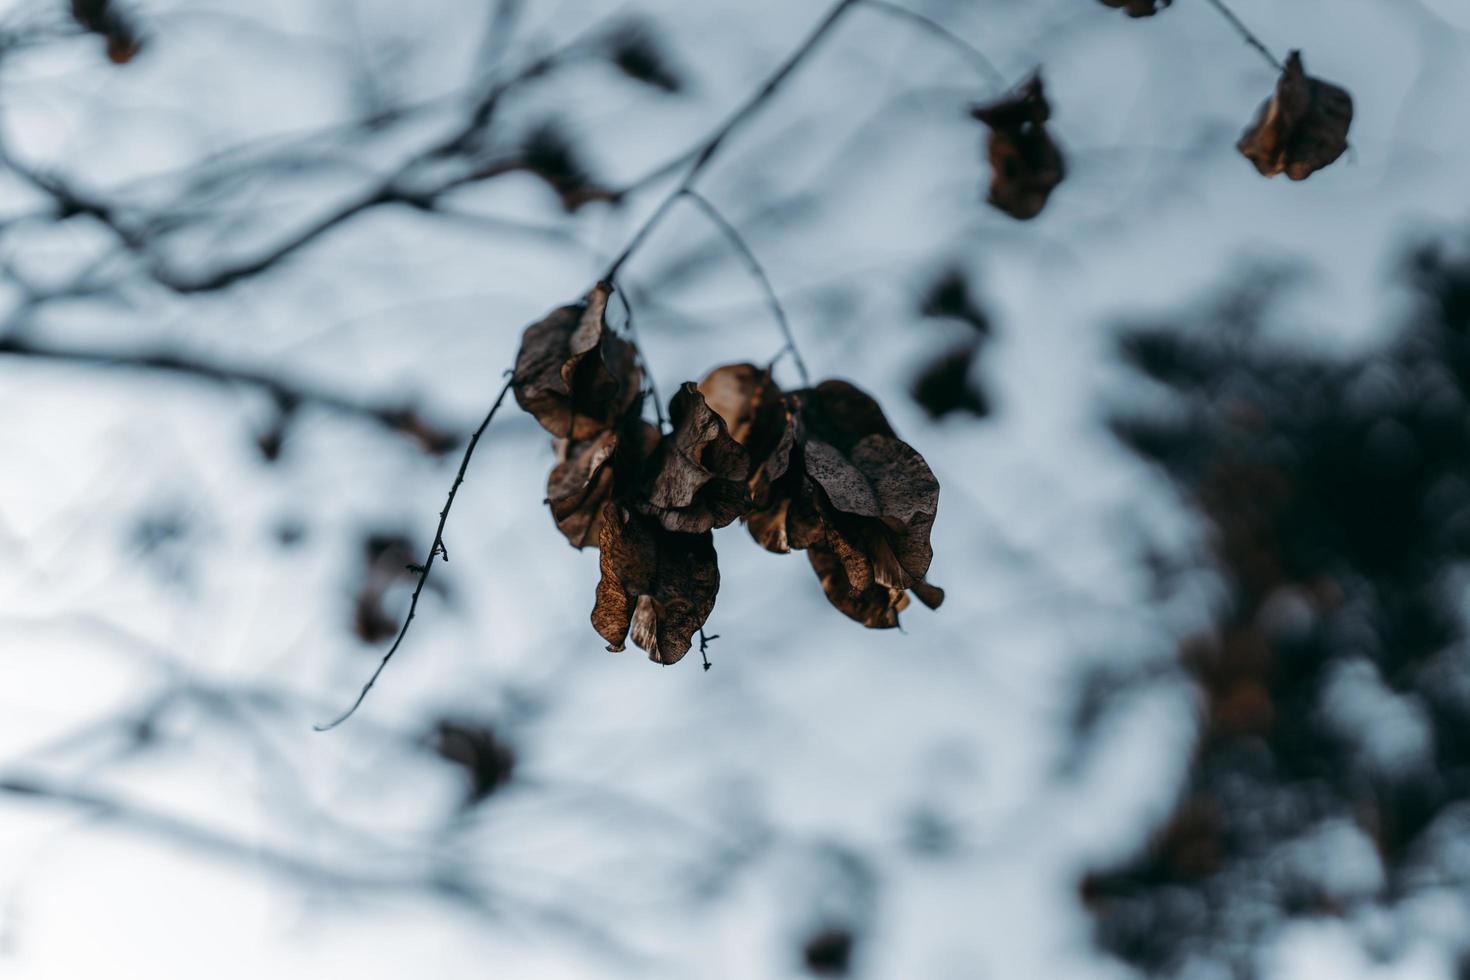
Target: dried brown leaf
852 493
699 471
786 514
1300 129
847 488
580 483
758 416
841 414
574 374
657 585
590 472
740 394
1026 164
873 605
880 506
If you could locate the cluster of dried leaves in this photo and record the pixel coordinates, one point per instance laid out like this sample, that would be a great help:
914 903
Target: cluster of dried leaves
818 470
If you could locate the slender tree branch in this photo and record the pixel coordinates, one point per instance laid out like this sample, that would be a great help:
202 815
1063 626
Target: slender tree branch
247 268
400 419
970 52
658 402
389 192
165 826
706 151
435 550
758 272
1246 33
449 882
392 189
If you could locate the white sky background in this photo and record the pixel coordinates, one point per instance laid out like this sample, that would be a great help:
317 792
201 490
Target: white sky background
810 734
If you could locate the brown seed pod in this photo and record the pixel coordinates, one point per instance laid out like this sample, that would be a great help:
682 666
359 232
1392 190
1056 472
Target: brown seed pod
580 483
590 472
1026 165
697 476
744 396
756 414
657 585
1300 129
831 477
574 374
881 501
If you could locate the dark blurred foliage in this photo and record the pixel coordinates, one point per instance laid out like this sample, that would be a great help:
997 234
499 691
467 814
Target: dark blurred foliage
114 25
388 558
271 439
1026 165
549 153
289 532
1333 685
828 953
637 50
842 910
1138 8
488 761
163 540
950 296
947 383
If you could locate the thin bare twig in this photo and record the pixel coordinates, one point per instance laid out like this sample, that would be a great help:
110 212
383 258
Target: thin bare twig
705 152
972 53
168 827
401 419
1246 34
393 188
704 642
435 550
658 402
732 234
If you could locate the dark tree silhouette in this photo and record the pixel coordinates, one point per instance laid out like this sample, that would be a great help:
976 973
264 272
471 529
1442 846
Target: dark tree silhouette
1337 494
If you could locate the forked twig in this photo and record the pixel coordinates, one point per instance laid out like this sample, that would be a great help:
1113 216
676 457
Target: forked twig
707 150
